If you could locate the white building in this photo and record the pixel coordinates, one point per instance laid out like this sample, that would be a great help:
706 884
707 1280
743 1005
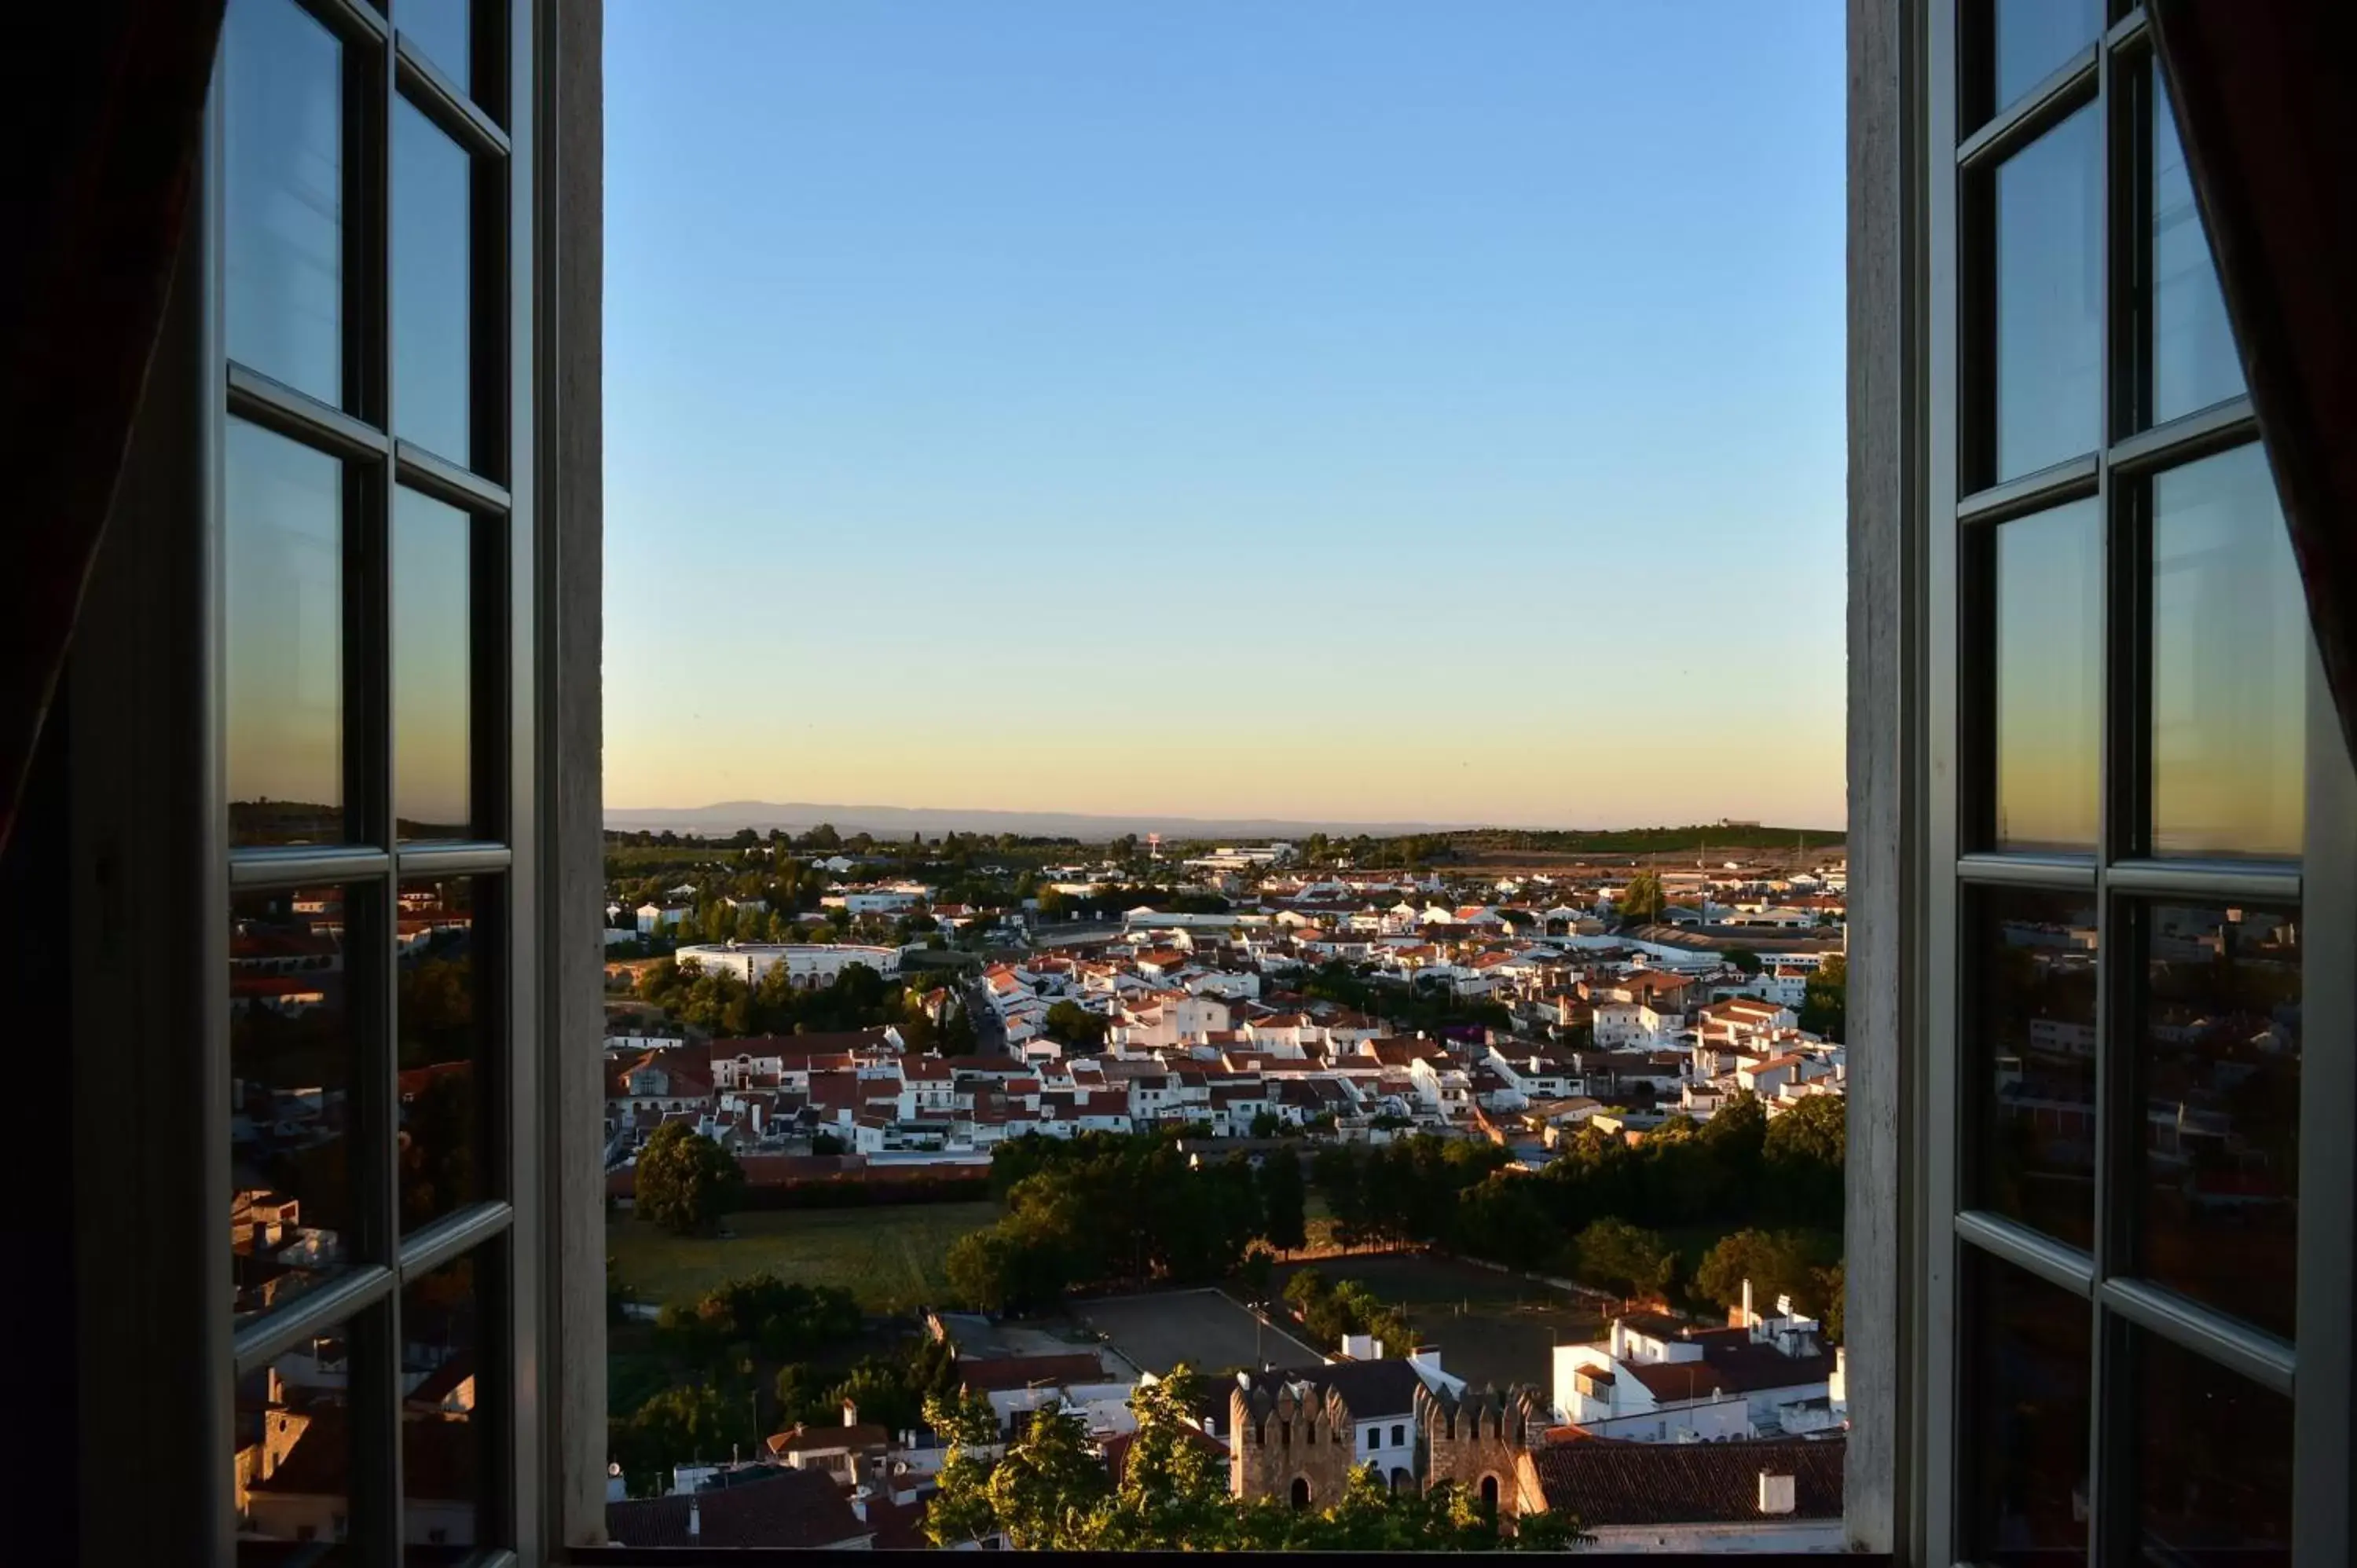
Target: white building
809 965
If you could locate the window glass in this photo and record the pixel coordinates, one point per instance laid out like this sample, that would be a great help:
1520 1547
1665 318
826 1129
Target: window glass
2229 663
2193 359
2048 298
432 656
440 1028
285 695
2213 1460
2031 1041
432 317
282 81
290 1041
2033 38
442 1446
438 31
2026 1410
2049 678
2219 1081
293 1476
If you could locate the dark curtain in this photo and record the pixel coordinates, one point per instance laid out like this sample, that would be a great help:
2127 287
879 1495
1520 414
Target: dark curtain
106 98
2266 105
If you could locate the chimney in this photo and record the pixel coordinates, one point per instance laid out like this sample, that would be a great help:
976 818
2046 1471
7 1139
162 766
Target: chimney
1748 1319
695 1516
850 1413
1775 1493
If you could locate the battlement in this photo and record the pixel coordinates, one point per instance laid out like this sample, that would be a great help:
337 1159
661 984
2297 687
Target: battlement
1288 1415
1514 1416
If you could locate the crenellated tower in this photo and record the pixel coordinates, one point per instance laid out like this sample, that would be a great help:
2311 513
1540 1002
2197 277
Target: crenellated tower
1476 1441
1288 1441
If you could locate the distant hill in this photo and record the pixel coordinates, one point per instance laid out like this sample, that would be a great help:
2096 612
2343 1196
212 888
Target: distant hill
890 821
900 822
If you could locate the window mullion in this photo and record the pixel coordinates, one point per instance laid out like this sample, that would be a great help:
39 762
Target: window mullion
2110 1489
376 1375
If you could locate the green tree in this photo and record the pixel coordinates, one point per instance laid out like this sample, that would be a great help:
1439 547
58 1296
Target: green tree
1774 1265
1047 1490
1642 901
960 1510
1077 1026
1284 1202
1174 1489
679 1425
1825 1006
1257 1273
1803 1157
685 1181
802 1400
879 1391
1832 1292
1621 1256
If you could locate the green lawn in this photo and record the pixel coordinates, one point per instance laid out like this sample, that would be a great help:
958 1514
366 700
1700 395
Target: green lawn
890 1257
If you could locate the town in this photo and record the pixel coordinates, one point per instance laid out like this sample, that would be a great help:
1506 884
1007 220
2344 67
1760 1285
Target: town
1206 1107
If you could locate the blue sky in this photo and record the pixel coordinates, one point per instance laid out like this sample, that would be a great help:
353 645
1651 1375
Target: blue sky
1346 408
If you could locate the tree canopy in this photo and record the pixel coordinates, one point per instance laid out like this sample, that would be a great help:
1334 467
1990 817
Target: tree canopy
685 1181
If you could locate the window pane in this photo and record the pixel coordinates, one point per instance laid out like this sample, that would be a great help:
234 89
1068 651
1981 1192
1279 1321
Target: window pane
440 1030
2025 1409
2031 1039
432 648
2048 328
438 29
285 636
2229 663
283 193
291 1049
2050 665
2033 38
442 1450
2220 1080
431 258
2214 1457
294 1450
2193 361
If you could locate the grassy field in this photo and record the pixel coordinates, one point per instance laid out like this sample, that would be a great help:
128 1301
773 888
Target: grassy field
890 1258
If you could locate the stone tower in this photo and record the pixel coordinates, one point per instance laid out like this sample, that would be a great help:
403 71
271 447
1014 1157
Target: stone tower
1288 1442
1475 1441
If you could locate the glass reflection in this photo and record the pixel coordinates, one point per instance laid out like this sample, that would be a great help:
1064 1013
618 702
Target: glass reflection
293 1479
2033 38
2032 1045
432 654
2050 658
2219 1076
2213 1458
282 196
2193 359
290 1044
432 317
438 29
440 1031
285 640
442 1447
2229 663
2048 291
2026 1406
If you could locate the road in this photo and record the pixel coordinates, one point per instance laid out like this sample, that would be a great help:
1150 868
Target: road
989 1030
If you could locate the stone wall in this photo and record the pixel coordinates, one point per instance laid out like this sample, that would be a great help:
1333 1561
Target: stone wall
1279 1436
